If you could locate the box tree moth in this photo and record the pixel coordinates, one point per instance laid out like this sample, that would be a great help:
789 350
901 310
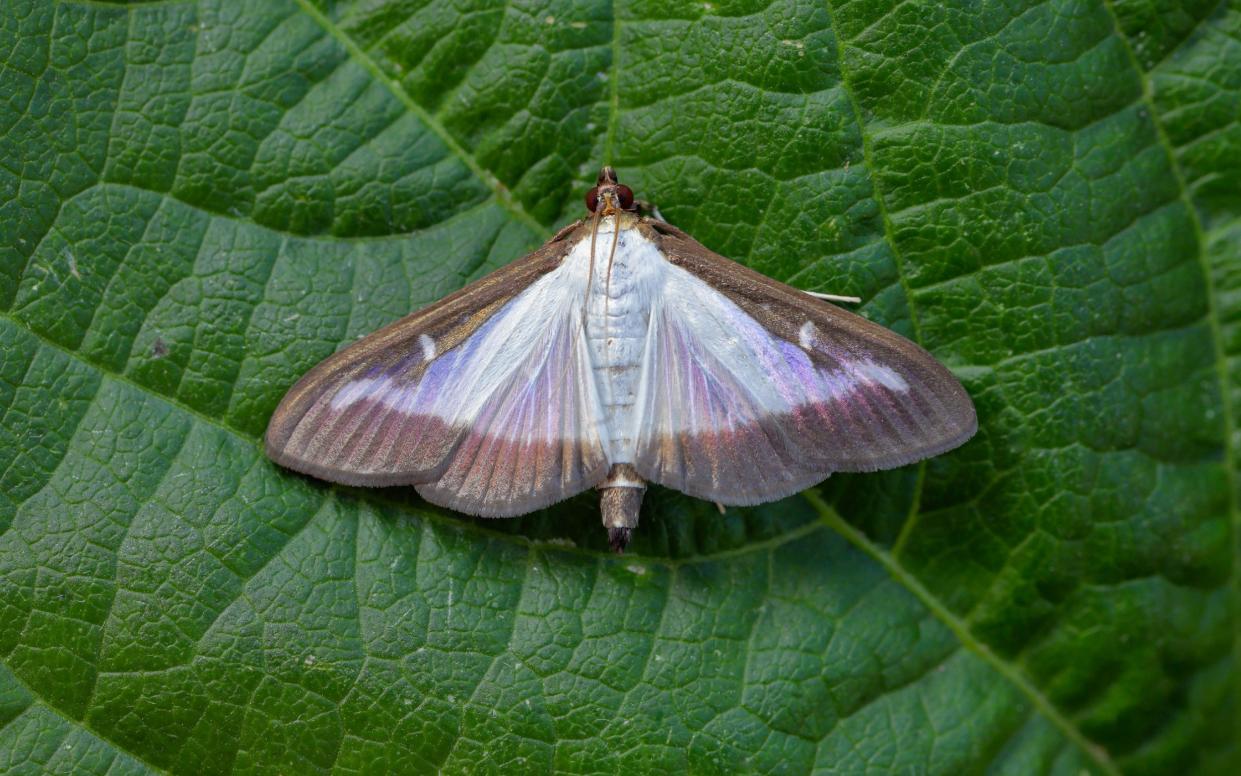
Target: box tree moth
621 352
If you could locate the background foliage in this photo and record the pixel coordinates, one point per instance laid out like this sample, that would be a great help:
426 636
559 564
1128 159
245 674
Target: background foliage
200 200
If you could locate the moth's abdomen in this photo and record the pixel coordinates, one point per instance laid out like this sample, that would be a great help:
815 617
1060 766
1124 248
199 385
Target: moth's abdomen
617 317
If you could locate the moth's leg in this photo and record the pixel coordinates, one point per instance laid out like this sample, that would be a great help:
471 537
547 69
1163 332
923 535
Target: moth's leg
833 297
566 230
648 208
620 501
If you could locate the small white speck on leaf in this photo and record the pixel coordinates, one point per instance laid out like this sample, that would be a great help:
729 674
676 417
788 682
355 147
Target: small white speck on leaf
309 661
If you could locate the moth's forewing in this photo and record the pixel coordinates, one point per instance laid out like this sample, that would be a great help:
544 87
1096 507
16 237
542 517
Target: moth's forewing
802 388
388 409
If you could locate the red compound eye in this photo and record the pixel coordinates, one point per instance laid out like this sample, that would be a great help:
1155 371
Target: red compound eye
626 197
592 199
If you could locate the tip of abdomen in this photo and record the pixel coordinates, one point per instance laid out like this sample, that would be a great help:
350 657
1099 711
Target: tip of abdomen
620 501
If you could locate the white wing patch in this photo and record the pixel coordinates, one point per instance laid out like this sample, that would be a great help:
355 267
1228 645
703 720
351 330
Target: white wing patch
886 376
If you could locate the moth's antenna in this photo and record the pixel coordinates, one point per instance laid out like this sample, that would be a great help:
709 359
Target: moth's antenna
590 270
607 282
590 276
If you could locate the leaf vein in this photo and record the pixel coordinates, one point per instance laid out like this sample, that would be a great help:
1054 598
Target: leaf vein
502 194
1227 421
941 612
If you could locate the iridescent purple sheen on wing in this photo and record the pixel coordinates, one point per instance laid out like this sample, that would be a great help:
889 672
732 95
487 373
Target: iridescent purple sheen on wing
533 441
739 415
497 423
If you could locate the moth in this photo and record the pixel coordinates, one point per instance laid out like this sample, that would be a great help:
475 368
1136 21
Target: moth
620 353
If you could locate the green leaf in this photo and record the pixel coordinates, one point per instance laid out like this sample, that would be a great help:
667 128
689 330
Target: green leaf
200 200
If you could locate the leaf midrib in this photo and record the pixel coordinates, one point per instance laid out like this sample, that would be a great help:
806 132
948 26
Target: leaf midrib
961 630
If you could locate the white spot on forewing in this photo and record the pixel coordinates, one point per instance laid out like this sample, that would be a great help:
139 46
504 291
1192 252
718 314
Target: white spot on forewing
857 375
428 347
806 335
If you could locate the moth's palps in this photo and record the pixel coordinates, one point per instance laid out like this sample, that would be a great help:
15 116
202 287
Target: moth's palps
622 352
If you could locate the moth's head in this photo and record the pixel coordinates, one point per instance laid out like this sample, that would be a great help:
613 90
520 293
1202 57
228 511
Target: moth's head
608 196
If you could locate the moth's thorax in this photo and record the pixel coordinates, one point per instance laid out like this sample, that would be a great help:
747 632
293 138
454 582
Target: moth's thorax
618 311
